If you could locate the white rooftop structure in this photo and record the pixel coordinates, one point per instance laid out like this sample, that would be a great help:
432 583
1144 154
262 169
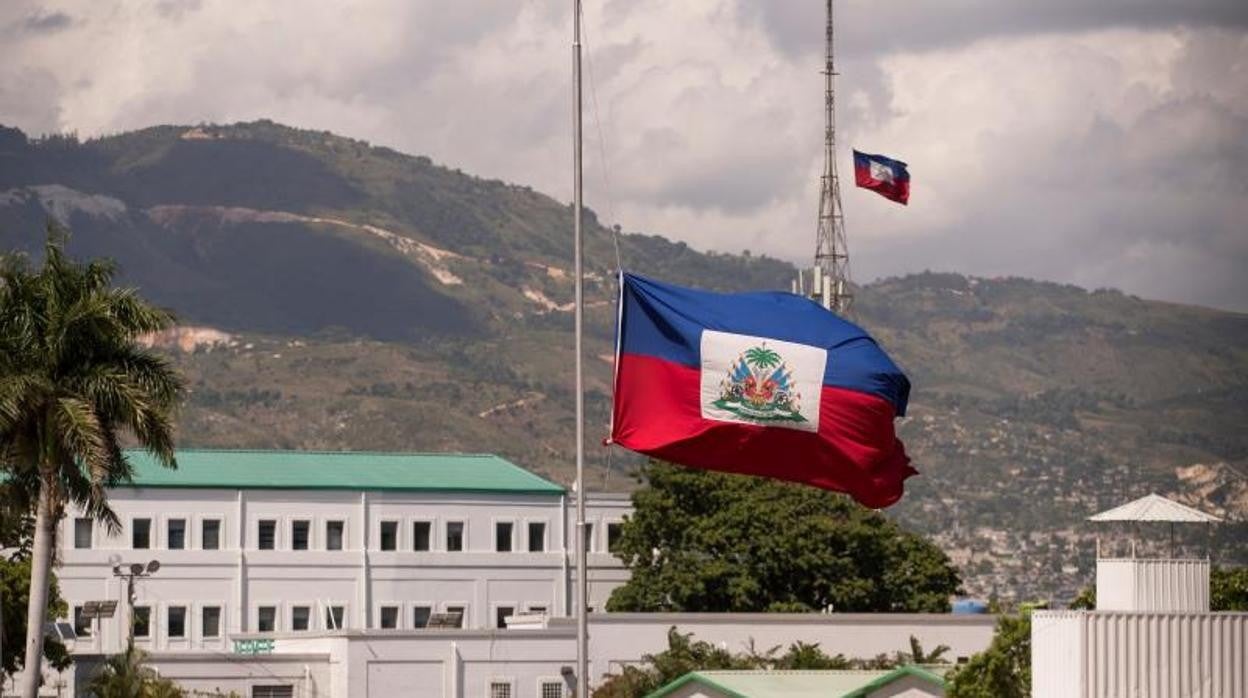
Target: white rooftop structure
1154 508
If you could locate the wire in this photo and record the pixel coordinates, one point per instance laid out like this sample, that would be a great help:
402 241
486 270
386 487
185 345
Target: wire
602 142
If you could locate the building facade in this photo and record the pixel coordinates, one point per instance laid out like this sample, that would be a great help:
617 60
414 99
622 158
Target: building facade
264 541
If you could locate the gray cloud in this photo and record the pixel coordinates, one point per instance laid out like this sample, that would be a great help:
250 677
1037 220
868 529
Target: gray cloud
875 27
1098 143
41 22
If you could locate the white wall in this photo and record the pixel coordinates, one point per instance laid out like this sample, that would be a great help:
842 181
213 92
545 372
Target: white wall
362 578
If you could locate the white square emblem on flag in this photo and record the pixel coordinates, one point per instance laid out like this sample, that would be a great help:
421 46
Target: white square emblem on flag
881 172
763 381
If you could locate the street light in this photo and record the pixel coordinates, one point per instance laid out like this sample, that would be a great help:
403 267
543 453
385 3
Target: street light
136 570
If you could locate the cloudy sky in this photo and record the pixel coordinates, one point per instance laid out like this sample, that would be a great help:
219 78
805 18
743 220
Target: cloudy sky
1098 142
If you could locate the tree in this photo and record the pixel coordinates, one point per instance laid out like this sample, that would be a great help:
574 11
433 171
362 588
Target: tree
1228 589
15 587
73 382
1001 671
705 541
125 675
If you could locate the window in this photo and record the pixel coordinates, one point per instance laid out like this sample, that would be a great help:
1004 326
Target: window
500 615
389 535
500 689
300 617
460 611
175 622
537 609
210 534
266 619
537 537
267 537
210 617
141 534
389 617
502 536
175 530
589 537
550 689
299 534
142 621
420 535
278 691
613 535
333 534
82 533
420 616
454 536
333 617
82 626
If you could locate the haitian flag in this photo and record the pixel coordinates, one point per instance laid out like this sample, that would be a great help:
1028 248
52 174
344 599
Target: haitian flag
767 384
885 176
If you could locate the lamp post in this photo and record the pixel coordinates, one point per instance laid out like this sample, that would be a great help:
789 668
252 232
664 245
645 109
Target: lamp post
134 571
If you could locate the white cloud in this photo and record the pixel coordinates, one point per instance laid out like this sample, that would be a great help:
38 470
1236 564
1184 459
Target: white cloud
1106 148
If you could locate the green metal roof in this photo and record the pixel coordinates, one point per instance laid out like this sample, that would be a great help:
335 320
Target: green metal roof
340 470
797 684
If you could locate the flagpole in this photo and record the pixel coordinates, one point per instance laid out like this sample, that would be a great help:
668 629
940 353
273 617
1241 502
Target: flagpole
582 549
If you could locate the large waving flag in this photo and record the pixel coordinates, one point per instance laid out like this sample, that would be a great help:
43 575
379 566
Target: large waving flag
885 176
768 384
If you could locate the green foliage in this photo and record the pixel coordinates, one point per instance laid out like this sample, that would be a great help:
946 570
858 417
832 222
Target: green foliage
1001 671
1228 589
685 654
15 587
1086 600
72 379
125 675
703 541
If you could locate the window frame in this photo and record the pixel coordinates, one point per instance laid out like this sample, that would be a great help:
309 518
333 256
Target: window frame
203 635
203 525
90 529
149 621
430 609
463 536
277 531
328 608
134 532
497 617
342 538
277 607
544 538
511 538
398 615
430 534
307 534
308 620
186 621
169 531
381 535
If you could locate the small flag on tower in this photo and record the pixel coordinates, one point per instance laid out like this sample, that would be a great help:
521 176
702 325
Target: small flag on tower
885 176
767 384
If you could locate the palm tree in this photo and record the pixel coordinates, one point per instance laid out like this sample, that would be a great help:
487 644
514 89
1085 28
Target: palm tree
73 382
126 676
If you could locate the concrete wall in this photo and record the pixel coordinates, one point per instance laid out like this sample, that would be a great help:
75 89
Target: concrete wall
1142 655
620 639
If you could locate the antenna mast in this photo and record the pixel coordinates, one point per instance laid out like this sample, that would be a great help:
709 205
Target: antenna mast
830 285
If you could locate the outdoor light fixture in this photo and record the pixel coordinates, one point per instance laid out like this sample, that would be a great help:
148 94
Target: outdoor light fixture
137 570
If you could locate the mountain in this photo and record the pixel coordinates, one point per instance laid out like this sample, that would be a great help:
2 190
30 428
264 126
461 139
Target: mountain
339 295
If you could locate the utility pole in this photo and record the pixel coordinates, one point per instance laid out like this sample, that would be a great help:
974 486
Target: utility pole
830 283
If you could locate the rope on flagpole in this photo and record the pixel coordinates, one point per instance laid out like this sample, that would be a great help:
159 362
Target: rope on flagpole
602 145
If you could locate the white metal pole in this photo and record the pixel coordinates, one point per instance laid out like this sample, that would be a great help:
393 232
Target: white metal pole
582 582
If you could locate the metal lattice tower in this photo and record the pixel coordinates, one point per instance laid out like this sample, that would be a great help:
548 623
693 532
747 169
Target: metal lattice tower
830 285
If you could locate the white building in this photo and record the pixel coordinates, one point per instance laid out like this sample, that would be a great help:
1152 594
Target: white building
268 541
1151 635
317 574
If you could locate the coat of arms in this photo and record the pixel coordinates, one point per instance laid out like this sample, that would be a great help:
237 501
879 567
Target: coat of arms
759 387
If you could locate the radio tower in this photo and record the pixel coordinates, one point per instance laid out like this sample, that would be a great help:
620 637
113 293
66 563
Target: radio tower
830 285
